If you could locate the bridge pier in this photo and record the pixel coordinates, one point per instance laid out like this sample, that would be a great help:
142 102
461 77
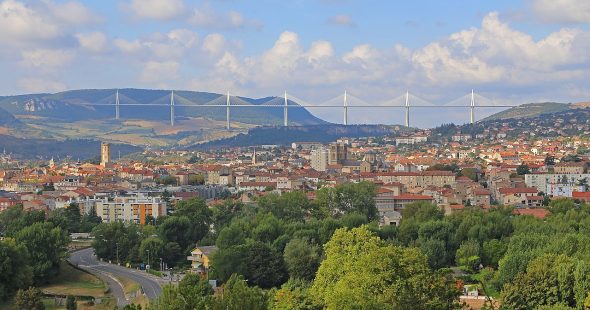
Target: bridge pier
227 125
345 109
286 111
172 108
472 109
117 105
407 107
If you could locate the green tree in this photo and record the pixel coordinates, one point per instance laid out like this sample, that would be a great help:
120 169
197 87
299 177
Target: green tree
29 299
468 255
195 291
152 248
13 219
294 295
348 198
523 169
362 272
302 259
15 271
46 246
117 237
236 294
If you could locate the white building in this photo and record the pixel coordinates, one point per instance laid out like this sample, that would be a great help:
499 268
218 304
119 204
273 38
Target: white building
542 181
130 208
320 158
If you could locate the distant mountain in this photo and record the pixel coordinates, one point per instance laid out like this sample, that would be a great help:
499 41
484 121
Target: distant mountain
278 135
47 148
75 105
530 110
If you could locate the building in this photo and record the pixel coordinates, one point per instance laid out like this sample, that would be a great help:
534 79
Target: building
569 168
320 158
201 259
542 181
130 208
338 153
105 154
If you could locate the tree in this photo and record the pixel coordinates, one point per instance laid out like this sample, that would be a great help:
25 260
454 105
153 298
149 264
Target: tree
195 291
46 246
468 255
348 198
15 218
523 169
294 295
362 272
151 248
302 259
236 294
71 303
119 238
15 271
29 299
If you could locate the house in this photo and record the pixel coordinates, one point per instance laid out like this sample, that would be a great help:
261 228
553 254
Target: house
390 218
516 196
569 168
201 259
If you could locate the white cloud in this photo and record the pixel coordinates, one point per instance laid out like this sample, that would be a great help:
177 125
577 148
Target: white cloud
159 72
206 16
71 13
37 85
160 46
95 42
214 44
157 9
497 53
562 11
46 59
22 24
342 20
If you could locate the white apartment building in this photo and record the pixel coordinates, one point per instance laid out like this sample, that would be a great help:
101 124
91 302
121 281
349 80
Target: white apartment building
320 158
543 182
130 208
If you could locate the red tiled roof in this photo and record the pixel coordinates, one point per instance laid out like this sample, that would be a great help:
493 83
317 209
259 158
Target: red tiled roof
520 190
538 213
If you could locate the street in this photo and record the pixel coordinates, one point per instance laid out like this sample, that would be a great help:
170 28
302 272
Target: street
85 259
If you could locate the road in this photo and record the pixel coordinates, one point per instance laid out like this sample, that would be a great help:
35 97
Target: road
87 260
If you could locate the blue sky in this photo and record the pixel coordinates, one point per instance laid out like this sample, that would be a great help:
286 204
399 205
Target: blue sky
510 51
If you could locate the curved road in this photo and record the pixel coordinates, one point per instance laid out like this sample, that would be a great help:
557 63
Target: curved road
87 260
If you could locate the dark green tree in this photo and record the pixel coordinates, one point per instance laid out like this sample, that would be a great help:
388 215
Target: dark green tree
46 246
302 259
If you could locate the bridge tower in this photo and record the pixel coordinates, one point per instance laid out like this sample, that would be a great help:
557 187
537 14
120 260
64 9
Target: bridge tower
345 109
286 111
472 108
227 125
117 105
407 109
172 108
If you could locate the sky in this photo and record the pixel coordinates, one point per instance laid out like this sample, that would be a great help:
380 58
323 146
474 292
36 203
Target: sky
508 51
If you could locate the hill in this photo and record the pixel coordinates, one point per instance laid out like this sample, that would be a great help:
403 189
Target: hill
79 105
278 135
529 110
46 148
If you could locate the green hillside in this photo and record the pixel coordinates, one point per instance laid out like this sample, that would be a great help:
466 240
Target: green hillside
76 105
529 110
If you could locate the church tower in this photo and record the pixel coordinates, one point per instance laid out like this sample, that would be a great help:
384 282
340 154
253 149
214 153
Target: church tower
105 154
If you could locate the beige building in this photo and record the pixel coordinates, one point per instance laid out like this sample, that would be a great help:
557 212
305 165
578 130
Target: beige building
105 154
338 153
130 208
320 158
569 168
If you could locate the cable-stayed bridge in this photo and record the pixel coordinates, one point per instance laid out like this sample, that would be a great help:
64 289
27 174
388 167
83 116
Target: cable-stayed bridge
344 101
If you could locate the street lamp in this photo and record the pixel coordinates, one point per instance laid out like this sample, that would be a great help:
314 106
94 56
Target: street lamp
148 252
118 254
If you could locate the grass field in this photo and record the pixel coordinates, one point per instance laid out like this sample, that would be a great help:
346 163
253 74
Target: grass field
72 281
